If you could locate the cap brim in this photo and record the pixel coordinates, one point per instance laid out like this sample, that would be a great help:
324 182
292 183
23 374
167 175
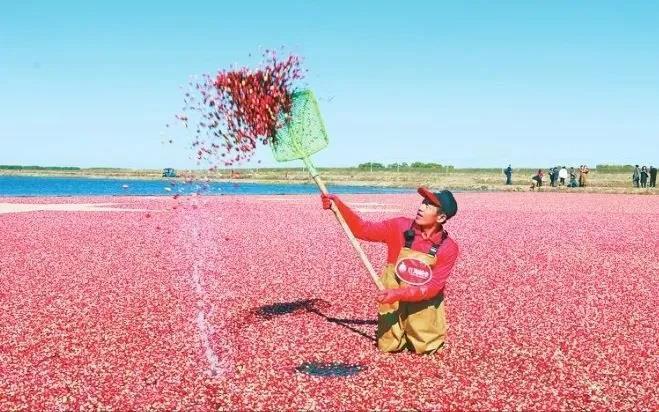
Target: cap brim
427 194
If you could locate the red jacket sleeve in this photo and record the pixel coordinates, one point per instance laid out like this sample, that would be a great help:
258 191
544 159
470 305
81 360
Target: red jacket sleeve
446 258
365 230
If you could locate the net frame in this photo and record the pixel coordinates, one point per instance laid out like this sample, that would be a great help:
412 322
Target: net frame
303 132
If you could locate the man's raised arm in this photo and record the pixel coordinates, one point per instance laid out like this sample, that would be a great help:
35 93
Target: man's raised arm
362 229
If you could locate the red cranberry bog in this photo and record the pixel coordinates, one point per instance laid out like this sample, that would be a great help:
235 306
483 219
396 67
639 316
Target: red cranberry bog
259 303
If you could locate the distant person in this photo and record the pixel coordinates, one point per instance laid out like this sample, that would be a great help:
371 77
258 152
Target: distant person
636 176
573 178
536 181
583 175
644 176
553 175
509 175
562 175
653 176
556 170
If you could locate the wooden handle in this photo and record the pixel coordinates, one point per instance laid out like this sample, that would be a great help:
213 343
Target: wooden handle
346 228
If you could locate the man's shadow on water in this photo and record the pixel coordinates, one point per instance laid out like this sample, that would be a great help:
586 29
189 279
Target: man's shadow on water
312 306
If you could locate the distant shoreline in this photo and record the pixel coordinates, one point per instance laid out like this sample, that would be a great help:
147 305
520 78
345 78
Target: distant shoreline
464 181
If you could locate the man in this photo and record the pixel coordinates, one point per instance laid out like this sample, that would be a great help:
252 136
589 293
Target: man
636 176
420 256
653 176
509 175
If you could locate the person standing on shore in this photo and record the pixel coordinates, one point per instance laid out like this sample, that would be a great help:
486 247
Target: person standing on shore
636 176
583 175
644 176
556 171
552 176
420 257
562 175
653 176
509 175
573 178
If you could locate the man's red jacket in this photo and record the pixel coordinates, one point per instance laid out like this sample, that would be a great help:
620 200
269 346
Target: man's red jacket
391 232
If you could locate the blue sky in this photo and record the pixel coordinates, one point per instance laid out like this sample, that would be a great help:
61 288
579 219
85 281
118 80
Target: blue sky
478 84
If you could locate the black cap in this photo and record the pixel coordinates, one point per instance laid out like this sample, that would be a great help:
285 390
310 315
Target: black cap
443 199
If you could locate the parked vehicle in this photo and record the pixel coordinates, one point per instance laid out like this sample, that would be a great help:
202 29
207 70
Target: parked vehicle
168 172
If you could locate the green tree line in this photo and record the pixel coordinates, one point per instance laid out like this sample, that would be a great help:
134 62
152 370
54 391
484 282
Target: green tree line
404 165
614 168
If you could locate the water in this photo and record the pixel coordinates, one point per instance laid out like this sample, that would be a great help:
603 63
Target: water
79 186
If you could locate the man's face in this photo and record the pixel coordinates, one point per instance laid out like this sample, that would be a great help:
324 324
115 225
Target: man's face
428 215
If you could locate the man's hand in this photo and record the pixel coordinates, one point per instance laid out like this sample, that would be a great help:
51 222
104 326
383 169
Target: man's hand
327 200
388 296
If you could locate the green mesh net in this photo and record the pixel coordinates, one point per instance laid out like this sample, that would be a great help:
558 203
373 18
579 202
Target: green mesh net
304 133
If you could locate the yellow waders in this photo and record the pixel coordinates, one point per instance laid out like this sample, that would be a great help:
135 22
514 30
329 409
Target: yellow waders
417 325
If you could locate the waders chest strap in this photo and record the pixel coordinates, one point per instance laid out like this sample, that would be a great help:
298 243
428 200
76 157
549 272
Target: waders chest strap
409 239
